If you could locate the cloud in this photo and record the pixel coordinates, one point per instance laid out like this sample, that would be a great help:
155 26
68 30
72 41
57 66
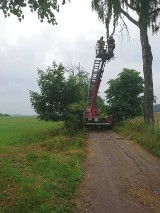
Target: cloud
30 44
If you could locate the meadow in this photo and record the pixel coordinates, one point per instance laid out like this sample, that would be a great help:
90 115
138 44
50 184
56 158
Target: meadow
40 167
147 135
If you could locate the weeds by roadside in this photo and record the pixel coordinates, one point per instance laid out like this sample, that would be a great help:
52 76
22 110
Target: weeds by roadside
148 135
40 171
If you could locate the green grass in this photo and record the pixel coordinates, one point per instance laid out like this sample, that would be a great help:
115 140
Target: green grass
40 167
148 135
22 129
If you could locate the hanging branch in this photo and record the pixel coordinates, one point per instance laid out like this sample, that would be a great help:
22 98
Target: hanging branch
129 17
64 1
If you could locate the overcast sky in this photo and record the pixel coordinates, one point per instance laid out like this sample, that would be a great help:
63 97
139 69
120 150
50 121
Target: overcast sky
30 44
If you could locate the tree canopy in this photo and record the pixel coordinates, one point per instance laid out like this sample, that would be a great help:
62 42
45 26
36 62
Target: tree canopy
124 95
44 8
147 12
61 98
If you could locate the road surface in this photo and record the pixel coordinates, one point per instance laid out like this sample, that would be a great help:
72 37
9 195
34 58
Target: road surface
120 177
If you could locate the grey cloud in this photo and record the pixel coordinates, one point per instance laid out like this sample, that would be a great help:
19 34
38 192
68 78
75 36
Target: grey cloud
19 62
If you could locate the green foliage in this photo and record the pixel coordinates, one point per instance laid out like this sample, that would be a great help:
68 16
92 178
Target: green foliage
124 95
1 115
39 175
44 8
61 99
112 11
74 115
50 103
74 119
147 135
100 105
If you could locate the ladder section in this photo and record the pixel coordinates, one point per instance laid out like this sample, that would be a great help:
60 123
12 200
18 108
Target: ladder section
97 72
94 77
103 53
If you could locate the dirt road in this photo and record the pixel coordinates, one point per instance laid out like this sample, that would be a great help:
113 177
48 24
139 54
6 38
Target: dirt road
120 177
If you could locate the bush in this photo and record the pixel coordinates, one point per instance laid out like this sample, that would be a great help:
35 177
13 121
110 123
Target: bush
74 118
148 135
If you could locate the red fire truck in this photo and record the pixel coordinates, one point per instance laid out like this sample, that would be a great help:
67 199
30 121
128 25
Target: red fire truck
104 53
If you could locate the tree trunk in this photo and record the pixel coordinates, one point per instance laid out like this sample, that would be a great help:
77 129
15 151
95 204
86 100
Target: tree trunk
147 70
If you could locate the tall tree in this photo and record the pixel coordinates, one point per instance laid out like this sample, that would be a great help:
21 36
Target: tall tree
60 97
50 103
125 103
147 13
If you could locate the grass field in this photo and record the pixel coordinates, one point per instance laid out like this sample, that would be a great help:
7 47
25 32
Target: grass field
148 135
40 166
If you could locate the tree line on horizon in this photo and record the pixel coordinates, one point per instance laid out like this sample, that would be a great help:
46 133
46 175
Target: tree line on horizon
2 115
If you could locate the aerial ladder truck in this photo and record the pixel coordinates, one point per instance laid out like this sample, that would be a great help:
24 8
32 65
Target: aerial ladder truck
104 53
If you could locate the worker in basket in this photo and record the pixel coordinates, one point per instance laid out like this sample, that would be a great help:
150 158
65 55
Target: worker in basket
111 45
100 45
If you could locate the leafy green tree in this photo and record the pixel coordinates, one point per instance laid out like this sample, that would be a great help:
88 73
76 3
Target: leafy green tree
82 79
49 104
44 8
147 13
60 98
77 85
124 95
74 118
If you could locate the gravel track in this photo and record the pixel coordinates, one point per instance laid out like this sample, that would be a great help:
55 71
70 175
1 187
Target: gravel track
120 177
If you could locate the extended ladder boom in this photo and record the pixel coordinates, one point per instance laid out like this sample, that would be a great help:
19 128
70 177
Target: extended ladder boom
97 73
103 54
